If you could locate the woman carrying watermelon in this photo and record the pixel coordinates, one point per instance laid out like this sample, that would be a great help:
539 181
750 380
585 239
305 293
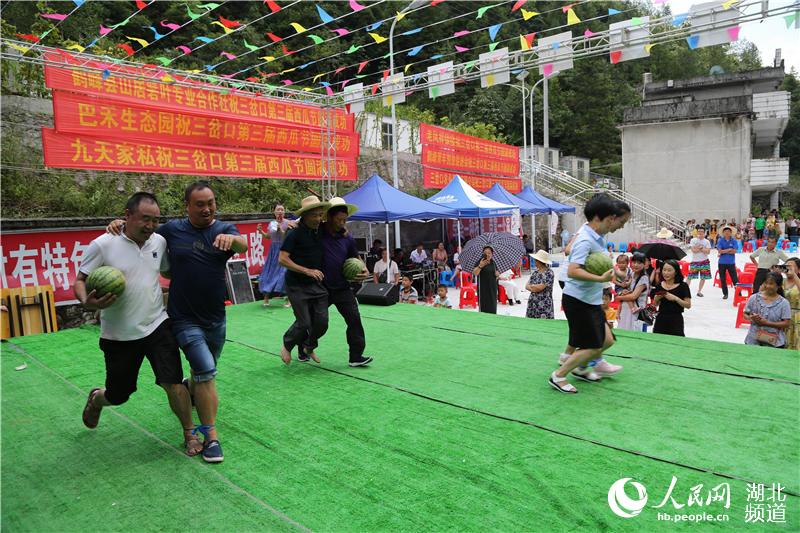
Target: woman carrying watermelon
589 270
270 283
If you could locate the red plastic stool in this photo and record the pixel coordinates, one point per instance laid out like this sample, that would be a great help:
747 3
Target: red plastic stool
467 297
501 295
740 319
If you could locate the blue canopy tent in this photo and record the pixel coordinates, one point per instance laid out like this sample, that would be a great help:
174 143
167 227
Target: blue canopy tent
551 206
378 201
500 194
469 203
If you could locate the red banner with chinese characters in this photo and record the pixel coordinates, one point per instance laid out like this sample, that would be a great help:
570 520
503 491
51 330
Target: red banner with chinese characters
440 157
461 142
67 150
438 179
113 118
53 257
105 81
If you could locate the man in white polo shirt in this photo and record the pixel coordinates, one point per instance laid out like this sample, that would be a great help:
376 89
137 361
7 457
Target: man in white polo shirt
135 324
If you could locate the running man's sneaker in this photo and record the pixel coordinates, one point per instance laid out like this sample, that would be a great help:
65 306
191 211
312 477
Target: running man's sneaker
606 369
212 452
302 356
360 361
91 414
586 373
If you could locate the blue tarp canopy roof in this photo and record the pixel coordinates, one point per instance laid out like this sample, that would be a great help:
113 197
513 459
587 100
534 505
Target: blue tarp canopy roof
378 201
535 198
500 194
469 203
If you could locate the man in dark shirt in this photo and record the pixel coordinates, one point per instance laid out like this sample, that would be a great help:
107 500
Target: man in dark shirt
198 248
337 247
301 255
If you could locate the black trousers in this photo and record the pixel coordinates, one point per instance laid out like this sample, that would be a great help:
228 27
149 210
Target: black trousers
761 275
347 305
310 306
724 272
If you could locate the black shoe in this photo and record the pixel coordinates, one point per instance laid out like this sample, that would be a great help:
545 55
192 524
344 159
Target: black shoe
185 383
724 296
91 414
302 356
510 302
519 301
212 452
360 361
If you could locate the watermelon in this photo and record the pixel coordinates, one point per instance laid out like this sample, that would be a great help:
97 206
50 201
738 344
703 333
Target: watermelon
598 263
104 280
352 268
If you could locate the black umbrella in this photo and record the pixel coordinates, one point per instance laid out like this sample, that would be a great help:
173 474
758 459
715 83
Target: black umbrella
662 249
508 250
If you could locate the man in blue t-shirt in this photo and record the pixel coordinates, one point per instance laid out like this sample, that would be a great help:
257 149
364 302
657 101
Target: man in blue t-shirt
198 248
727 247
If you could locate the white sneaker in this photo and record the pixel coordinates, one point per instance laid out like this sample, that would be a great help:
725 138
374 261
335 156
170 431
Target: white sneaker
562 358
606 369
586 374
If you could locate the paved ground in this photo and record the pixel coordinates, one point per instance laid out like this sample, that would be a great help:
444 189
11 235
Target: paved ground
710 317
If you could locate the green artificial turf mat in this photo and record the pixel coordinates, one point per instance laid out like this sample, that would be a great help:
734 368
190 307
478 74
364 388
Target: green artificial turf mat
416 442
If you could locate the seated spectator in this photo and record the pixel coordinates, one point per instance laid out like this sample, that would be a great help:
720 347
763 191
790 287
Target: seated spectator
610 249
506 280
439 257
623 265
419 255
441 299
610 312
528 243
408 294
456 263
386 271
769 314
377 246
399 257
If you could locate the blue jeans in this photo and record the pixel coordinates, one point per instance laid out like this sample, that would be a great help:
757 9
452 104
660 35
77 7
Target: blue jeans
202 347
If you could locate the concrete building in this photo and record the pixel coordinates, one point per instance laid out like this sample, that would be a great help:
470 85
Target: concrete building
577 167
705 147
376 132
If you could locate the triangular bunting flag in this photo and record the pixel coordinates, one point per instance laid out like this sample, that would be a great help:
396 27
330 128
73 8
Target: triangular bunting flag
353 48
323 15
400 16
637 21
518 4
274 38
341 32
616 56
226 29
142 42
374 26
790 19
412 32
733 33
492 46
528 14
482 11
249 46
417 49
494 29
297 27
588 33
378 38
547 69
316 38
572 18
228 23
679 19
355 6
361 66
272 6
405 68
693 41
612 11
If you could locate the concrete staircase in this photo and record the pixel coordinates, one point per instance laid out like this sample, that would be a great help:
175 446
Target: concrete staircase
646 219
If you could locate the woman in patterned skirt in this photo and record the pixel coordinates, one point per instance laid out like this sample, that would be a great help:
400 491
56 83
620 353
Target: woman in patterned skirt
270 283
540 285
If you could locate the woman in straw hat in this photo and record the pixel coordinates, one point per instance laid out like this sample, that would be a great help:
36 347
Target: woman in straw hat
540 285
301 255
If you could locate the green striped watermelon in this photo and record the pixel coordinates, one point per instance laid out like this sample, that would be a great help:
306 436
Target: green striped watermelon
106 279
352 268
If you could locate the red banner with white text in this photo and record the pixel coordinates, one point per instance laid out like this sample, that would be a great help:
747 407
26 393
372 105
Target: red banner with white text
109 80
438 179
112 118
53 257
467 143
440 157
68 150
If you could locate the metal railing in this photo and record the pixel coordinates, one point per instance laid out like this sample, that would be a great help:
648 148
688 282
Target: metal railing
566 188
